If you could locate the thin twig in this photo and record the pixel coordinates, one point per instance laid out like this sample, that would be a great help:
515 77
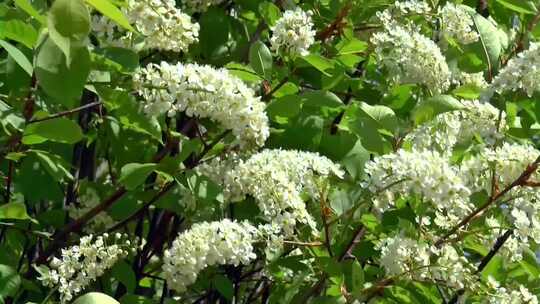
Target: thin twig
68 112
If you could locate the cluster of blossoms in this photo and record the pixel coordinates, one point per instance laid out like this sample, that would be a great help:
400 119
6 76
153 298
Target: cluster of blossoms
293 33
457 24
419 172
520 73
88 200
163 26
199 6
402 9
505 295
451 128
411 57
82 264
277 179
205 92
206 244
402 256
474 79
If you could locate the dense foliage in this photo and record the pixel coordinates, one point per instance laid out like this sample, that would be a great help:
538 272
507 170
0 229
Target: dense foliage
257 151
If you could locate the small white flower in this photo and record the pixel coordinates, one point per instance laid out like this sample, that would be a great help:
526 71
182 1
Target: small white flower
293 33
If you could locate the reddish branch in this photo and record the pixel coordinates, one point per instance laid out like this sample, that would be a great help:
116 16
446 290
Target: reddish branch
336 27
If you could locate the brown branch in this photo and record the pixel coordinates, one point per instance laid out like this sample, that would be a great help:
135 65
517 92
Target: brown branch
68 112
520 181
337 25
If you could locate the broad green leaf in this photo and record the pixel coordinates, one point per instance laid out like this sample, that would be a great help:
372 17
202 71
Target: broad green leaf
214 33
352 46
14 211
112 12
224 286
26 6
60 129
428 109
128 59
260 59
62 82
69 25
10 116
95 298
18 56
490 40
286 106
382 115
468 91
244 72
125 275
19 31
270 12
132 175
520 6
10 280
55 165
321 99
321 63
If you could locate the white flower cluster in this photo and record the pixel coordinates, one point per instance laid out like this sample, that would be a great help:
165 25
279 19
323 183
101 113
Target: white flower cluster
402 9
207 244
451 128
88 200
205 92
509 161
457 24
520 73
199 6
293 33
411 57
163 26
503 295
402 256
277 179
419 172
82 264
475 79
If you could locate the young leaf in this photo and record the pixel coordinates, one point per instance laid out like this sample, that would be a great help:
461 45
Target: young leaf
60 130
112 12
95 298
14 211
260 59
18 56
433 106
134 174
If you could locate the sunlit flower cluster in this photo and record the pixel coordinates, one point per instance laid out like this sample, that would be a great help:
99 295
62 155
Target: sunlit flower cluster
205 92
411 57
206 244
419 172
277 179
163 26
404 257
472 79
457 24
82 264
293 33
520 73
505 295
401 9
476 119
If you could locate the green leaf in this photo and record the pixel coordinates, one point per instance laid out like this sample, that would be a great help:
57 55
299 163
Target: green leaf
125 275
10 281
26 6
14 211
321 99
244 72
352 46
62 82
224 286
112 12
134 174
467 91
60 130
214 33
520 6
95 298
55 165
286 106
428 109
384 116
490 40
19 31
69 25
260 59
18 56
321 63
269 12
